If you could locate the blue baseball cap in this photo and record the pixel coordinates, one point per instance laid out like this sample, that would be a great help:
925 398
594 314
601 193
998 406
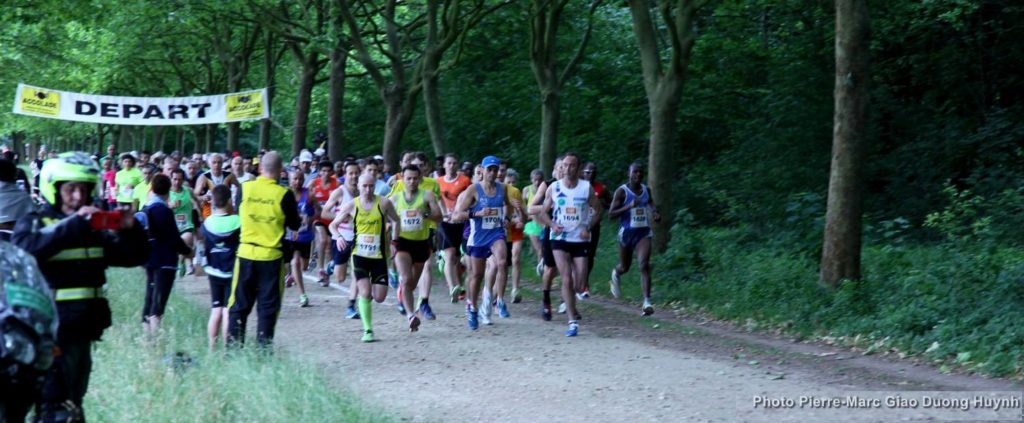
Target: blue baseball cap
490 161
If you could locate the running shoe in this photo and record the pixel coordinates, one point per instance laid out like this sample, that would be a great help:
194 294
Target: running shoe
453 294
181 270
401 309
312 263
393 279
648 309
368 336
462 293
471 318
426 312
540 268
351 313
303 300
486 309
561 308
517 297
440 262
545 313
414 323
615 284
325 280
485 317
330 268
574 328
583 295
503 310
189 268
289 281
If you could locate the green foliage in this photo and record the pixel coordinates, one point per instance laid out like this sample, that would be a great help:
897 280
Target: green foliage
137 380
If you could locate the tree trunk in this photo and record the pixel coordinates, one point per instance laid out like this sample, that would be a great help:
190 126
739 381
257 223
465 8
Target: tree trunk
550 115
122 139
158 138
269 69
663 85
179 140
211 137
233 131
432 107
302 101
336 101
840 257
17 141
661 162
398 117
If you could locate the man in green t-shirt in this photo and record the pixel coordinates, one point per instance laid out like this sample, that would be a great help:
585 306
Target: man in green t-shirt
142 189
127 179
181 202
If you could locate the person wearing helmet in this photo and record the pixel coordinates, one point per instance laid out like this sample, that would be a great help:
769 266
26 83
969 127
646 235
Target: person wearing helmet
28 328
73 254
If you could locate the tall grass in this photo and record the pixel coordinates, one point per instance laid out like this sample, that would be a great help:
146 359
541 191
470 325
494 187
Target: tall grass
141 381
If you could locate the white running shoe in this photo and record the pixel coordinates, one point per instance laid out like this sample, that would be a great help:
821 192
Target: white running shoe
540 268
615 284
648 309
485 309
561 308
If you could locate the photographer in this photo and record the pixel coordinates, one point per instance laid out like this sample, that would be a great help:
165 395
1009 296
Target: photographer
74 243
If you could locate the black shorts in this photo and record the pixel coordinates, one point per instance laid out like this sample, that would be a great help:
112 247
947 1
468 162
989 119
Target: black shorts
374 269
158 289
508 254
341 256
575 249
220 291
290 247
545 249
451 235
195 217
418 250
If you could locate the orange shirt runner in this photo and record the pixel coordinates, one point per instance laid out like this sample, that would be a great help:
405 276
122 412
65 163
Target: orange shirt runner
322 192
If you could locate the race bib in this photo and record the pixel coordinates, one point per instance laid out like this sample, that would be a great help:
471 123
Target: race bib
570 218
128 192
412 221
179 219
491 218
638 217
368 246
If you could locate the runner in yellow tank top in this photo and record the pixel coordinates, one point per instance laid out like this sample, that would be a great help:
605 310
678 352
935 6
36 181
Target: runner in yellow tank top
419 159
367 212
416 208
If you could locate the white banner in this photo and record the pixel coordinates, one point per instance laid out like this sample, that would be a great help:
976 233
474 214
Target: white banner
63 105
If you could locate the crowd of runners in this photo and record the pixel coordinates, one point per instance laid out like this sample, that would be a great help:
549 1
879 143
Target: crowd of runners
253 225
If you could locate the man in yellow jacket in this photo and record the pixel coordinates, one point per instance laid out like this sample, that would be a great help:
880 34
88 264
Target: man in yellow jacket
265 210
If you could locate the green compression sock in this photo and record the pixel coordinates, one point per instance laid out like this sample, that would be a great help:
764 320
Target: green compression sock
366 313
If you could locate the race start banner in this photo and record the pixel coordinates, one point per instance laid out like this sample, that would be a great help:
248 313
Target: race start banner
153 111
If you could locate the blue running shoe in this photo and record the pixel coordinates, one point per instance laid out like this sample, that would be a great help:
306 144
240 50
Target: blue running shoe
573 329
471 318
426 312
393 279
401 309
503 310
351 313
330 268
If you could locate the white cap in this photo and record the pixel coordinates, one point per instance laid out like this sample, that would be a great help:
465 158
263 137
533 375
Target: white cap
378 157
305 156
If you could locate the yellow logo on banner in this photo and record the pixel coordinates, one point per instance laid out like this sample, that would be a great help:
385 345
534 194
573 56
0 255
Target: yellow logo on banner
40 102
245 105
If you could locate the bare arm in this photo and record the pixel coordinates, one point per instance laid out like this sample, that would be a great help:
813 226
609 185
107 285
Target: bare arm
435 209
535 202
344 216
389 211
617 207
541 214
466 200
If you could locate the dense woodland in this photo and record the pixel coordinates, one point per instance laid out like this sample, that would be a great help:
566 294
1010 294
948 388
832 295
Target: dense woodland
745 160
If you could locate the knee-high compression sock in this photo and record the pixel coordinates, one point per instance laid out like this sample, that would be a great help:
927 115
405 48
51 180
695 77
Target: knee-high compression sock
547 297
366 313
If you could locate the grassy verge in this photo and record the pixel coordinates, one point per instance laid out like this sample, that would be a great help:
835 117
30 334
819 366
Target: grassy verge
957 305
133 380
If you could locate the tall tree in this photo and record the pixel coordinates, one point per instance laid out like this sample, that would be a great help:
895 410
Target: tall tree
336 92
455 23
840 257
663 83
545 18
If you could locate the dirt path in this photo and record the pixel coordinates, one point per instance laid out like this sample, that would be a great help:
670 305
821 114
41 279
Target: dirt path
620 368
